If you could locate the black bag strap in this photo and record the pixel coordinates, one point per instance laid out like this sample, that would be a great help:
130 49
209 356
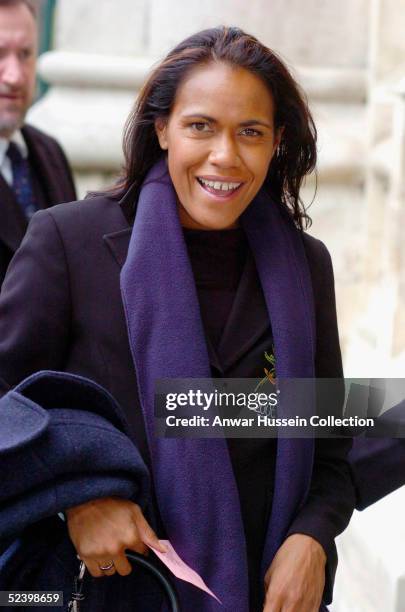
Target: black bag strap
164 583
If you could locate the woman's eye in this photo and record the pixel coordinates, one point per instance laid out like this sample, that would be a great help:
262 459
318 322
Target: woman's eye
199 126
251 132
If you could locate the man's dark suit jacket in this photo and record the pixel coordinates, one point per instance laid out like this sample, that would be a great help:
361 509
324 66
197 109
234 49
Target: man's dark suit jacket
53 184
61 309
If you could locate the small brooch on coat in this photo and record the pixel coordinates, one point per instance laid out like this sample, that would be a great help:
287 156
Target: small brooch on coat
270 370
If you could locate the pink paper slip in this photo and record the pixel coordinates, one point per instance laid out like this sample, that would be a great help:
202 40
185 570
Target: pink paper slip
180 569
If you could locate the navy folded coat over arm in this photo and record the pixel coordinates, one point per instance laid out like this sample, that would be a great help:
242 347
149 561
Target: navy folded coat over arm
63 443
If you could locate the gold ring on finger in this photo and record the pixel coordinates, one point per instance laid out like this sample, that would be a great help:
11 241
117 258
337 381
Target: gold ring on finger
107 566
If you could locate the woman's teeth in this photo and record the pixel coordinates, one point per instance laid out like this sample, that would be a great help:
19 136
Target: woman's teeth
219 185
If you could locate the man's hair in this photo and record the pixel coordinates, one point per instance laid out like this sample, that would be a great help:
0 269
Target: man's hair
32 5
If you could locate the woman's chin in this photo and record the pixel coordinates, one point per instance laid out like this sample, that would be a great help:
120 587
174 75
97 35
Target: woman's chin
207 221
212 224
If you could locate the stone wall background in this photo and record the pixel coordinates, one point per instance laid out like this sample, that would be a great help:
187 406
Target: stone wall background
350 58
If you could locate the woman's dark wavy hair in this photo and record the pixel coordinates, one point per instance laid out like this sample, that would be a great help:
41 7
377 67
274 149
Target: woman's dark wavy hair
296 154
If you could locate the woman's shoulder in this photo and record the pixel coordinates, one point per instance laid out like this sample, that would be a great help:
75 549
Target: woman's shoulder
318 258
95 214
316 251
314 248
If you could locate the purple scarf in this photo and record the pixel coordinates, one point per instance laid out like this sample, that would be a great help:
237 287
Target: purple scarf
195 485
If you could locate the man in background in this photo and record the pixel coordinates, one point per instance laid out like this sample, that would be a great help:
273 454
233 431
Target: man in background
34 172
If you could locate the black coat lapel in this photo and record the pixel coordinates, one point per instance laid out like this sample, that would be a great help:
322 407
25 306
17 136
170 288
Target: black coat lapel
248 319
118 243
213 356
13 223
47 167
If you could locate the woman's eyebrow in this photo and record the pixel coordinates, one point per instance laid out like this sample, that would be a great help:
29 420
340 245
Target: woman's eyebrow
200 116
250 122
247 123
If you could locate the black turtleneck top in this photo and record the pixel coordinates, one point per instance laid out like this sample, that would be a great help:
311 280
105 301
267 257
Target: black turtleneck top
217 258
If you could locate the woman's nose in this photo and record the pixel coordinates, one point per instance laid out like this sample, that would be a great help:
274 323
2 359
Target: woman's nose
225 152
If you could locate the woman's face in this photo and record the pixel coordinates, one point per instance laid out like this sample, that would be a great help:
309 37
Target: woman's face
220 140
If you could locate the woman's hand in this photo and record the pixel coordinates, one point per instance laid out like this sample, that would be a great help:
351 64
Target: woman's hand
102 529
295 579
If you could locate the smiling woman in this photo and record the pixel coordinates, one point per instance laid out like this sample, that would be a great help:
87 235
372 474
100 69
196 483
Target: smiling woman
194 265
219 154
216 91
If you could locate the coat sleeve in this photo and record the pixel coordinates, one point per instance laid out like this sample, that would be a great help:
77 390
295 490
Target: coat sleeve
369 459
331 499
35 309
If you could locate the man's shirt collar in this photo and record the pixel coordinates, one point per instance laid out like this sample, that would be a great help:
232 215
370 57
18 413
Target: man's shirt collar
18 139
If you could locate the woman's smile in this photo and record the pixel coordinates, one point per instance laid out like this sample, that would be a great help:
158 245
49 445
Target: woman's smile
222 188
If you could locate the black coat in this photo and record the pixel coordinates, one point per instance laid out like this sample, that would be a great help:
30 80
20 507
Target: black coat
61 309
53 184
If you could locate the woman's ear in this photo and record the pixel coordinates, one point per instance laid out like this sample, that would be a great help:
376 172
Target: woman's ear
161 132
